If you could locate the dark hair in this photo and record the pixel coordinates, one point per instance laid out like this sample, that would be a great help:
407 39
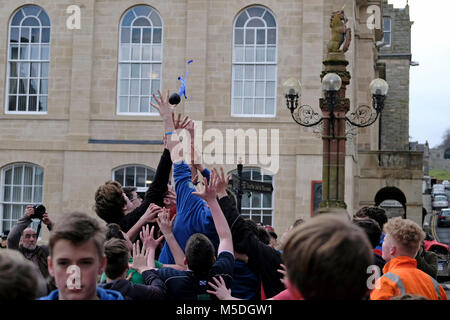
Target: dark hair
78 228
128 191
273 234
375 213
117 256
371 228
263 235
113 230
200 254
327 258
109 202
18 276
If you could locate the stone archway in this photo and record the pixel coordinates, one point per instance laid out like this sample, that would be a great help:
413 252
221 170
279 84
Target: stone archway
392 200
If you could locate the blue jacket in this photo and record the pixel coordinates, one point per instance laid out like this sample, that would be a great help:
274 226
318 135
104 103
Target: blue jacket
193 216
103 294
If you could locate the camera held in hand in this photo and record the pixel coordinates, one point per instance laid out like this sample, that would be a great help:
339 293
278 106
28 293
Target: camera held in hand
39 211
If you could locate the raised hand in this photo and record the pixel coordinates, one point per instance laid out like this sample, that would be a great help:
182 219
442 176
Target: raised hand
165 223
148 240
283 271
178 124
221 182
139 257
209 192
220 289
29 210
151 213
47 221
162 105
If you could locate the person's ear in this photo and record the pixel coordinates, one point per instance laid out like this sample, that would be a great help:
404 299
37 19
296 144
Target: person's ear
102 264
50 266
185 261
393 250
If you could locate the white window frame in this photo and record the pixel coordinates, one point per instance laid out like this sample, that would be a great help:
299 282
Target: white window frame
236 62
140 62
40 62
388 31
262 208
22 202
139 188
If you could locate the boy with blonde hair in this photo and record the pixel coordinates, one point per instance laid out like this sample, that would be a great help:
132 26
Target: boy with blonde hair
401 276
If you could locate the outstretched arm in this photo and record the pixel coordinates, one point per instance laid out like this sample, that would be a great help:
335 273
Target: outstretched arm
166 111
221 224
148 217
166 226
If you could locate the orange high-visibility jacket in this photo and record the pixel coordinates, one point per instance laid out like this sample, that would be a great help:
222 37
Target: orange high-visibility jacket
401 276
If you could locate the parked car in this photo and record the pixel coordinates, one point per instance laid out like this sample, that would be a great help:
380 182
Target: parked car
444 218
446 184
438 188
440 202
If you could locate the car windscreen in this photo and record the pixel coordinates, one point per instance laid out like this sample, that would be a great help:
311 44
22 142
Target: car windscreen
440 198
445 213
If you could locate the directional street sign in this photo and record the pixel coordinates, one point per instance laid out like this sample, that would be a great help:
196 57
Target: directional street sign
249 185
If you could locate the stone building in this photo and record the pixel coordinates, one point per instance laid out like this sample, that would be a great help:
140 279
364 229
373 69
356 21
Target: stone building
76 110
395 57
440 159
394 176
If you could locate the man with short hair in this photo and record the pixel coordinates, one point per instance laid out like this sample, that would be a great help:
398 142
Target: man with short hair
24 239
327 258
77 241
373 231
401 276
18 277
379 215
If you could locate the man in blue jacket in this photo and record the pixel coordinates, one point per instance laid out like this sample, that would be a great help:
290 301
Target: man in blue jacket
77 258
193 215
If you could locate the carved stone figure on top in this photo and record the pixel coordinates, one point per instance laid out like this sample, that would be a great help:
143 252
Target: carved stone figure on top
339 32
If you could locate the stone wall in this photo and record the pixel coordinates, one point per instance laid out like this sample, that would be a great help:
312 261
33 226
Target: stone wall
437 160
397 58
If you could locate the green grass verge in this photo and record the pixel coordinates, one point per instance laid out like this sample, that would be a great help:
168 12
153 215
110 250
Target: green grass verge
440 174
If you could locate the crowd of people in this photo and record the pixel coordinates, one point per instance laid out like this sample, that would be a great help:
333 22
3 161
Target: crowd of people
187 241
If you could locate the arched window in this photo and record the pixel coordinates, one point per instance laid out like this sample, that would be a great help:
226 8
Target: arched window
28 61
140 60
254 63
22 184
256 205
134 176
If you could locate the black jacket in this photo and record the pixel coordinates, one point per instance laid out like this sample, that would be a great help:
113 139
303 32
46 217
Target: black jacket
155 193
153 289
263 260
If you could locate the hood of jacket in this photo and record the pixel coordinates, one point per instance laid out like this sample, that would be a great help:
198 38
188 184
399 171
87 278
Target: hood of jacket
103 294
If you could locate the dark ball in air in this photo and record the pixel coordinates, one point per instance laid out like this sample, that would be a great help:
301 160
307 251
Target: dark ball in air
174 99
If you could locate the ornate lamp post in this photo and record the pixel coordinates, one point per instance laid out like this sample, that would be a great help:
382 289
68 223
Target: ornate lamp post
335 106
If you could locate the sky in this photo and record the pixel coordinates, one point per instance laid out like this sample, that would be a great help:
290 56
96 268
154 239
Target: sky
429 109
